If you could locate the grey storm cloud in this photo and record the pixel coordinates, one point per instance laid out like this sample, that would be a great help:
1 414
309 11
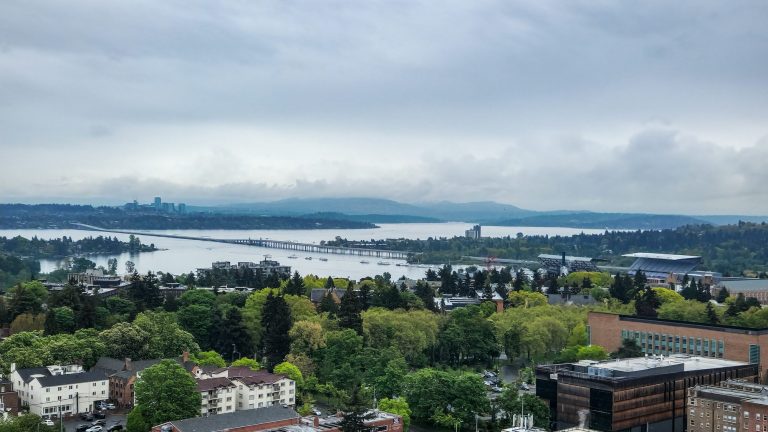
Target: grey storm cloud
651 106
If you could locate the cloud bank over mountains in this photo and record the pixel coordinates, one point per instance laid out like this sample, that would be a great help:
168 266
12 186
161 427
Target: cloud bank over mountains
652 107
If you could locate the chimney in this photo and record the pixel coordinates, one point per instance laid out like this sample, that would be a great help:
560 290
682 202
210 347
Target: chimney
563 263
128 365
185 356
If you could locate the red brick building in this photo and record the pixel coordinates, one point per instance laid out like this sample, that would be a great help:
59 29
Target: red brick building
275 419
666 337
9 399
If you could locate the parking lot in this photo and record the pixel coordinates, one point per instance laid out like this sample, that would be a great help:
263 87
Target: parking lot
112 419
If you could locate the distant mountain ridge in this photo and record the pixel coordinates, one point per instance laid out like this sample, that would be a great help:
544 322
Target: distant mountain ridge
376 210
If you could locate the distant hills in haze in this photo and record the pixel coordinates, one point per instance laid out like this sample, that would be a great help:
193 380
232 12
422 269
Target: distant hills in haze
376 210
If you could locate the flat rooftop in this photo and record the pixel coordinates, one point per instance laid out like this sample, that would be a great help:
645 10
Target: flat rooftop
639 367
661 256
689 363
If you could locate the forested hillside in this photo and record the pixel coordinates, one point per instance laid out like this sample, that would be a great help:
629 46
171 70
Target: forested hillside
730 249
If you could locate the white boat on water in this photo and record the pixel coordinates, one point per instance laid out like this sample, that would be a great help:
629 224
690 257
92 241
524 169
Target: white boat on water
293 256
365 262
382 263
308 258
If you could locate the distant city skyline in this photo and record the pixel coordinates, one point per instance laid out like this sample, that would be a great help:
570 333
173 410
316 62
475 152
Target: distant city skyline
652 107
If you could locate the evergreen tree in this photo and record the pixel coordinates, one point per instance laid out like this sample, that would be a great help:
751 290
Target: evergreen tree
355 413
712 317
235 336
639 281
520 280
647 302
628 349
328 304
553 288
86 316
621 288
171 303
426 294
487 290
536 281
690 292
431 275
295 285
365 296
329 283
349 311
703 294
739 305
722 295
276 321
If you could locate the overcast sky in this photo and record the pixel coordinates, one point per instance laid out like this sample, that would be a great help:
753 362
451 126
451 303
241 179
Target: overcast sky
599 105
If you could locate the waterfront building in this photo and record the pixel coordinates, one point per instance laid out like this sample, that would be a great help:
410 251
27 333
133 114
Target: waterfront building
644 394
473 233
267 267
666 337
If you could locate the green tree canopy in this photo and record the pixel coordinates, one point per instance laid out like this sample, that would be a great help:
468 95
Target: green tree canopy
165 392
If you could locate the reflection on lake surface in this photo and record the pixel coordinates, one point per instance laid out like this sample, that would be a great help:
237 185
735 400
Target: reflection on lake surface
184 256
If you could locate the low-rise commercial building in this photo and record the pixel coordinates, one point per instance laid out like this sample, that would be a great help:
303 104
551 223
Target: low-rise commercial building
276 419
645 394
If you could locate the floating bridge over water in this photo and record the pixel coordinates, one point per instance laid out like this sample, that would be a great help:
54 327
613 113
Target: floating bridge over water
272 244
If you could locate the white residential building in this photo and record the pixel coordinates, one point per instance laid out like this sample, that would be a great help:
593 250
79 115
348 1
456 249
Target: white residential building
59 390
231 389
218 395
263 390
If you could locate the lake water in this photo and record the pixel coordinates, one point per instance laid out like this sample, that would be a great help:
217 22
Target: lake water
182 256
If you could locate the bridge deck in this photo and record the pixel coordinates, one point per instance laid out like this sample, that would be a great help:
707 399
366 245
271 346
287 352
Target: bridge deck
273 244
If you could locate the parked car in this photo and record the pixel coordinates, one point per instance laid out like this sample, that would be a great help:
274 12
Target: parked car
99 415
524 386
94 429
99 423
48 422
82 428
86 416
117 427
497 389
110 406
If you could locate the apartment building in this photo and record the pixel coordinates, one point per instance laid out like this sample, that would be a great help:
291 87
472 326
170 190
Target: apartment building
263 390
218 396
733 406
56 391
225 390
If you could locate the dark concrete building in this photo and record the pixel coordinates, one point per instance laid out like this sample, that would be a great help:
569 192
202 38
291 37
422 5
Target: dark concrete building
645 394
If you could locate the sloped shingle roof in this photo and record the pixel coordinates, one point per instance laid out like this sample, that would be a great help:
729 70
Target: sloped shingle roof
237 419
